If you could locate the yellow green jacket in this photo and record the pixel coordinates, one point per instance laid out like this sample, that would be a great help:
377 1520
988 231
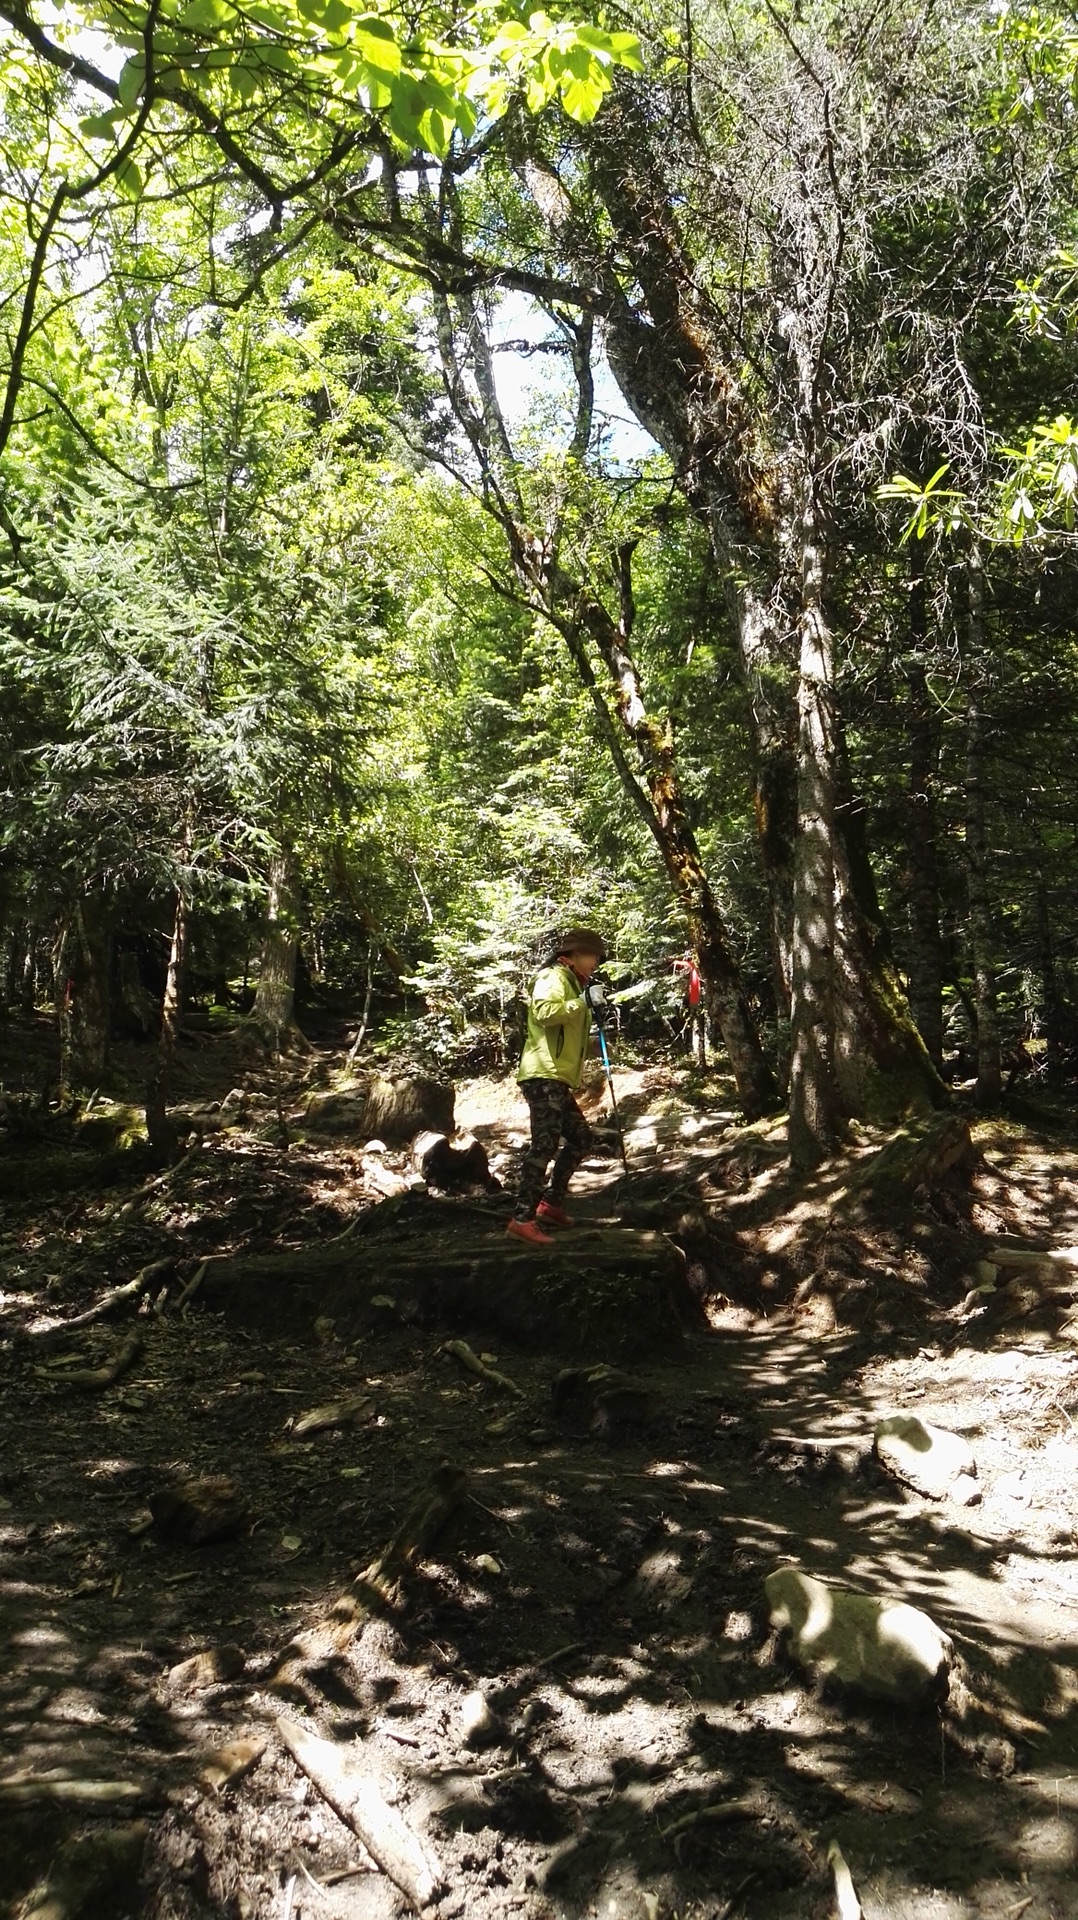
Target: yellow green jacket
559 1024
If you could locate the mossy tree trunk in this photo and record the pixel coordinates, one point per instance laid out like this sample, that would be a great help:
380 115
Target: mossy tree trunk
276 991
161 1131
989 1052
922 881
668 820
817 1116
81 966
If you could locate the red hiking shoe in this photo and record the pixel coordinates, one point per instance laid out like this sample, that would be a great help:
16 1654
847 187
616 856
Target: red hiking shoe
530 1231
552 1216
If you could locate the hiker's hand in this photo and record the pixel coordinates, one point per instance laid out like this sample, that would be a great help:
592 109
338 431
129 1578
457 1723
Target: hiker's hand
595 993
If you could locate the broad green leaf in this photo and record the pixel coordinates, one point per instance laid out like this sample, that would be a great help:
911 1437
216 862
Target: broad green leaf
130 84
467 118
335 15
583 98
376 51
597 39
579 63
434 131
243 82
129 179
101 126
204 14
375 28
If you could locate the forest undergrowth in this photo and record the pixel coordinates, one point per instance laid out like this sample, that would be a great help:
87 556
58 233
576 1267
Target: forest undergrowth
554 1666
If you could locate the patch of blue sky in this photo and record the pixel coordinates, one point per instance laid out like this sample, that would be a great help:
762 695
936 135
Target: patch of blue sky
536 389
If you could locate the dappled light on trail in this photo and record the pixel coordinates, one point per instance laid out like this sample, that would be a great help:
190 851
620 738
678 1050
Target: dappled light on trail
569 1686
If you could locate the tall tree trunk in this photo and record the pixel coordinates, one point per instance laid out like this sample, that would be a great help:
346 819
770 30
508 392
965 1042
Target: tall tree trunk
163 1135
989 1056
276 990
14 962
27 986
575 611
671 355
668 820
925 945
816 1117
81 968
1051 1004
761 623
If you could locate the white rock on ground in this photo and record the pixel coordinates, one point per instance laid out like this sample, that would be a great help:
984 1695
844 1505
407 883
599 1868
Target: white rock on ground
882 1646
479 1724
928 1459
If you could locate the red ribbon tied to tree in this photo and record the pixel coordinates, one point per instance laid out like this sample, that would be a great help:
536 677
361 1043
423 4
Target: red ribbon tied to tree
687 965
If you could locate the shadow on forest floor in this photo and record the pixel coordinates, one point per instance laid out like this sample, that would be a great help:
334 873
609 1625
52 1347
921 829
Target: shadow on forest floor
601 1583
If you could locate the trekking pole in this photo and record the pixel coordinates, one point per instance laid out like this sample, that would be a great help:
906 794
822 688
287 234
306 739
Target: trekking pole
610 1083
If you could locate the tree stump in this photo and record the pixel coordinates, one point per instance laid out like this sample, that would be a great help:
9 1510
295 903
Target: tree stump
383 1109
920 1156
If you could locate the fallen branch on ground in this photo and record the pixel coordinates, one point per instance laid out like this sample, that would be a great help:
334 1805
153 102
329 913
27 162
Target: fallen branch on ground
424 1519
130 1292
847 1905
461 1351
193 1285
27 1789
719 1810
403 1857
154 1186
95 1379
341 1413
1006 1253
329 1637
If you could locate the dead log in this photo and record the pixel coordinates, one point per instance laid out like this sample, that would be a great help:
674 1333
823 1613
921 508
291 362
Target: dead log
400 1853
444 1164
920 1156
129 1294
96 1379
617 1287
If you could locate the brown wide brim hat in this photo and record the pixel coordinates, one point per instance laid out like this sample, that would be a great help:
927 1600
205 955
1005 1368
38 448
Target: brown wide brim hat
575 940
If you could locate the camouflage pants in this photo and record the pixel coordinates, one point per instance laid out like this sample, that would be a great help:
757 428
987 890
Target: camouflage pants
554 1116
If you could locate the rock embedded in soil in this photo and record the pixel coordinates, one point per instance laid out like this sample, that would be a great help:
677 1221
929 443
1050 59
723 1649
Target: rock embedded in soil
479 1724
198 1512
211 1668
932 1461
882 1647
460 1162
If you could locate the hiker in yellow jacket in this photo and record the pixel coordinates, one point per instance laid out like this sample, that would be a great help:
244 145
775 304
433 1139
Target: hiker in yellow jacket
559 1024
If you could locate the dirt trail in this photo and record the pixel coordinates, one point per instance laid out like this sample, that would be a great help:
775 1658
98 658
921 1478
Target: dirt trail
602 1583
